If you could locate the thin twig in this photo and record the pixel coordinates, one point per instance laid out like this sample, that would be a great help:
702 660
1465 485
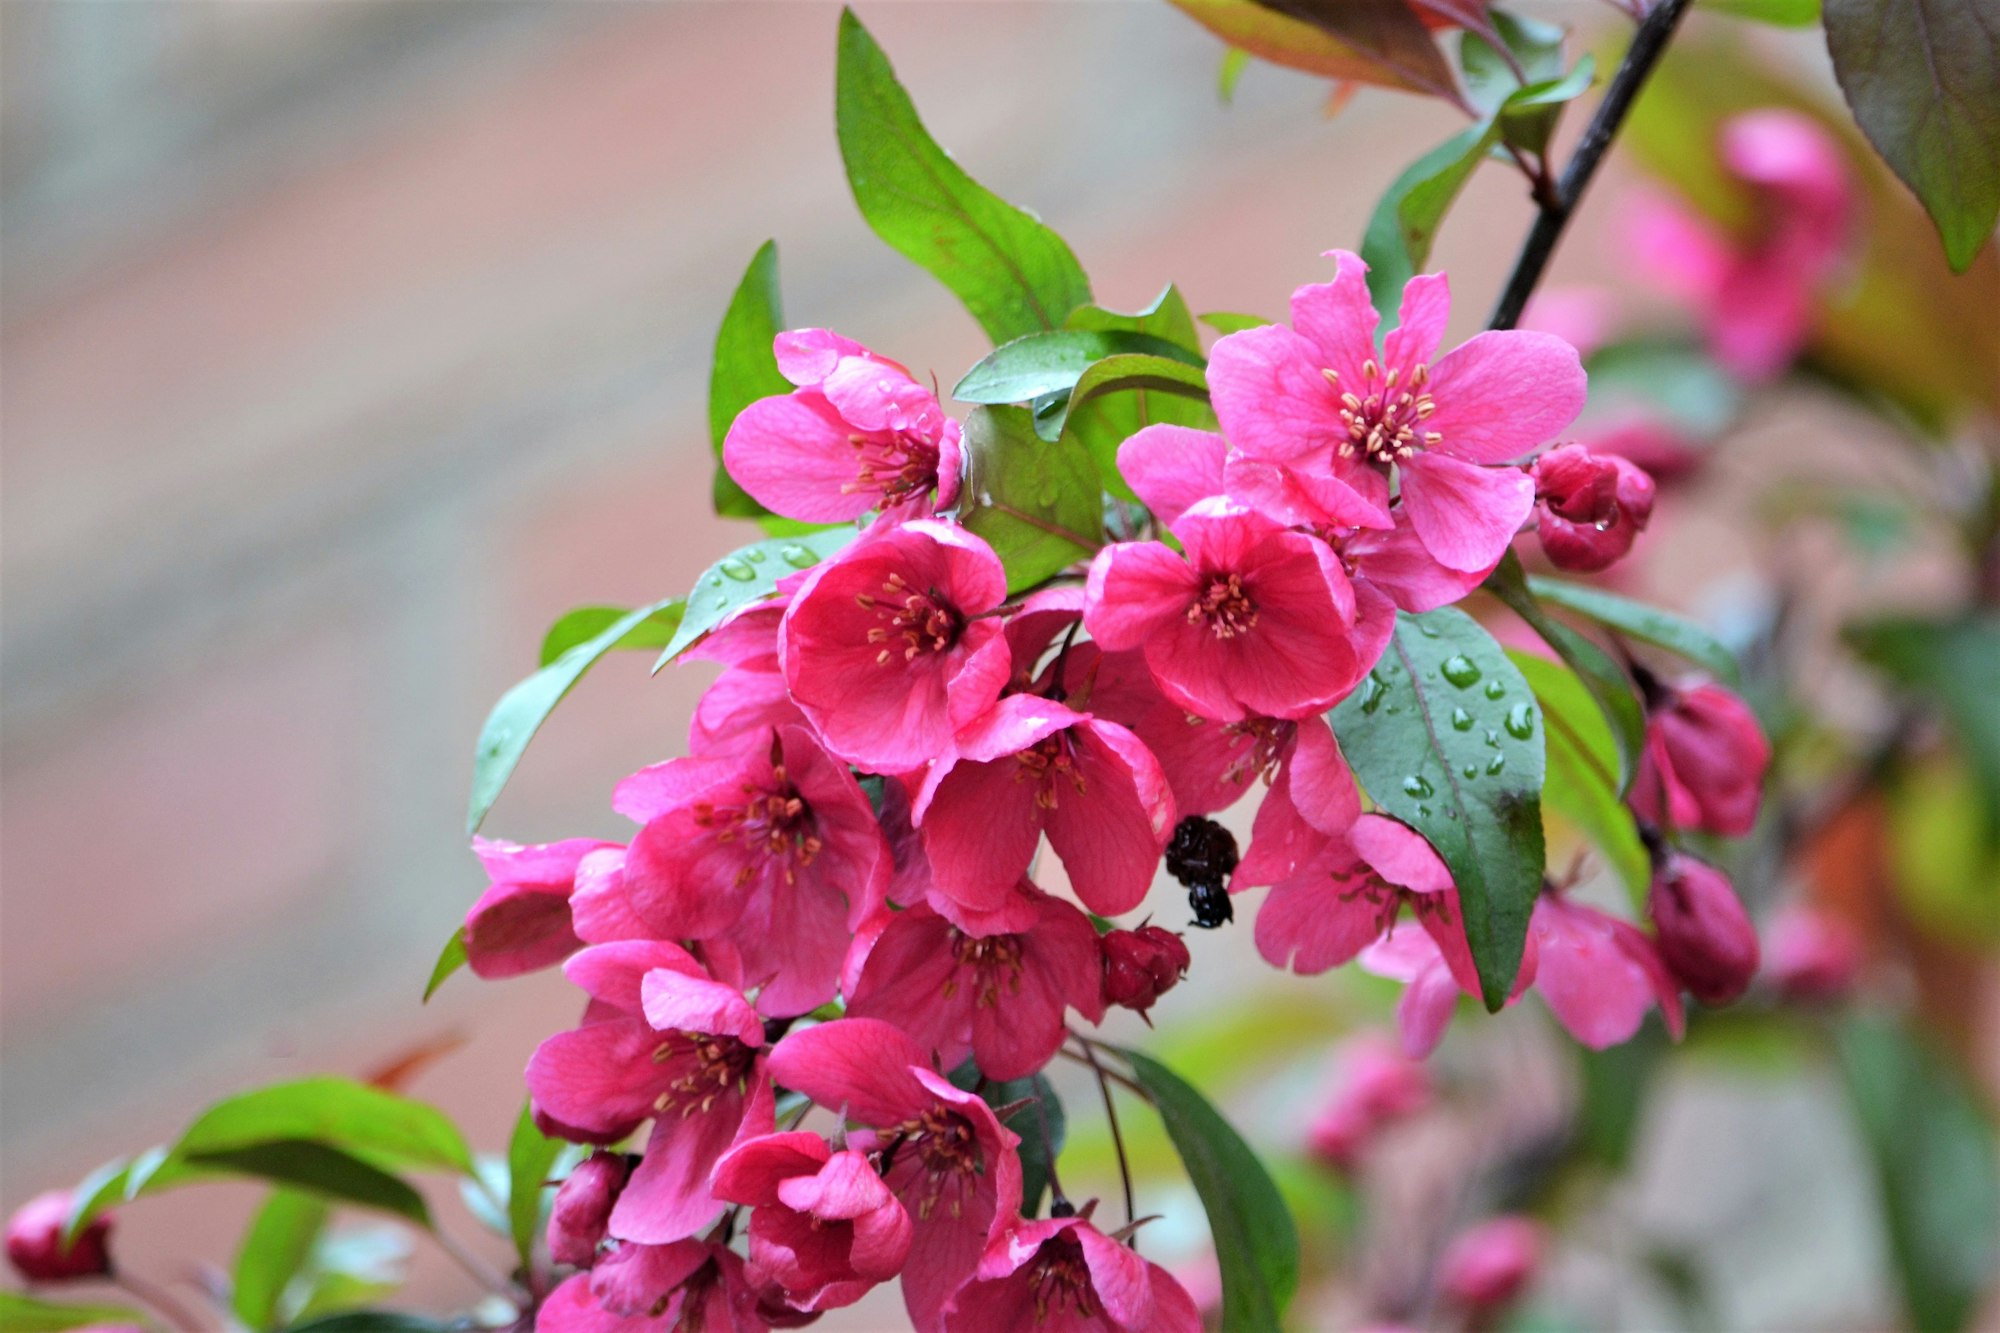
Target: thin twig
1649 43
1117 1138
157 1299
484 1273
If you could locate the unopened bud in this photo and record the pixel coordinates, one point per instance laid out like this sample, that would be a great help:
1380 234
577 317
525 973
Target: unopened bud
1704 763
1142 965
35 1241
1492 1263
1705 936
1591 507
580 1217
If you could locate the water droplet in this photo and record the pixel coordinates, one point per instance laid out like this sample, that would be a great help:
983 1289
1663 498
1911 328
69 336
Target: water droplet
737 569
1470 770
1494 689
1372 691
1451 814
1460 670
1461 720
1495 764
715 580
757 555
1521 721
1423 812
1394 709
798 557
1493 739
1425 628
1418 786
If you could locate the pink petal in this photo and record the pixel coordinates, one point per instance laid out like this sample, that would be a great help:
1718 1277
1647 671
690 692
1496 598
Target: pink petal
1399 854
1593 986
1311 923
661 788
1135 590
616 973
1172 467
1321 785
1503 394
1301 495
872 396
599 908
1397 562
518 928
1338 317
668 1197
1174 1310
863 1064
1465 515
791 453
1271 398
1420 324
807 356
751 1172
1119 1275
677 1002
980 829
597 1077
1110 834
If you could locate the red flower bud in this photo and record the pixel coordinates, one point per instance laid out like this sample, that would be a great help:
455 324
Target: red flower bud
35 1244
1489 1265
580 1217
1591 506
1142 965
1704 762
1705 936
1814 956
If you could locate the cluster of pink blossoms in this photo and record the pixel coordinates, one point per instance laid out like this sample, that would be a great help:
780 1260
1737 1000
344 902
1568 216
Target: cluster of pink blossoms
892 735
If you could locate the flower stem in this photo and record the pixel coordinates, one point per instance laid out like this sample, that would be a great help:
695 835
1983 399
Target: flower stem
1117 1138
1649 43
157 1299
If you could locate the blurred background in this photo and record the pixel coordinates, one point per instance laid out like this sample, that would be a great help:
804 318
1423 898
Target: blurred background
347 345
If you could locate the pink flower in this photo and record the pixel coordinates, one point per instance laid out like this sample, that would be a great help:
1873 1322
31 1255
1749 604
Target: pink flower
1814 955
580 1215
686 1287
1350 894
952 1164
1757 292
1141 965
35 1241
1591 507
1702 932
1704 763
1000 996
1255 620
522 922
1379 1086
883 649
1337 417
1065 1275
859 433
1032 765
661 1041
1489 1265
1598 974
1431 990
773 849
824 1225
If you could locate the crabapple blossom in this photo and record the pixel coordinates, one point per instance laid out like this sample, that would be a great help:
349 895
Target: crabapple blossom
35 1241
1599 975
858 433
683 1287
1378 1086
1703 766
1813 955
522 922
1492 1263
1702 932
822 1223
1590 507
1064 1275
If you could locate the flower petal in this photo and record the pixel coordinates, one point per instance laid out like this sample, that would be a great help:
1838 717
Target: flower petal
1503 394
1464 514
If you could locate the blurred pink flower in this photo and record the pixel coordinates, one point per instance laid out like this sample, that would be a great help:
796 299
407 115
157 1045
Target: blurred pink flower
1490 1264
1813 955
1378 1086
35 1241
1599 974
1591 507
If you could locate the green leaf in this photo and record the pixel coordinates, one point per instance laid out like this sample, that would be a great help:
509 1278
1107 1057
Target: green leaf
1616 1083
1167 318
276 1246
25 1314
371 1321
1526 107
1042 1128
745 369
1783 13
320 1170
1583 767
1256 1244
1041 363
1663 629
117 1181
746 576
338 1112
1120 396
1014 274
1229 321
450 958
1233 62
1037 504
587 622
1933 1150
1369 41
1445 735
1406 219
1923 80
522 710
530 1157
1956 665
351 1267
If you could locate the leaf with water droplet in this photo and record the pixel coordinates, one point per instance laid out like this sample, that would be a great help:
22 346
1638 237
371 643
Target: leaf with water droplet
1521 721
745 577
1461 720
1039 505
1461 671
1413 758
740 570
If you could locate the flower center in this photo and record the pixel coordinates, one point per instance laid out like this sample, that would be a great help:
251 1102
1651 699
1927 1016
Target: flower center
1384 418
711 1066
895 463
947 1152
1060 1279
1225 606
1043 763
995 961
773 819
912 622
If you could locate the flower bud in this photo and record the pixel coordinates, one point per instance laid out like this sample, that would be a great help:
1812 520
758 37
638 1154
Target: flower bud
1814 955
1142 965
1379 1085
1591 507
1703 767
1705 936
35 1241
1489 1265
581 1214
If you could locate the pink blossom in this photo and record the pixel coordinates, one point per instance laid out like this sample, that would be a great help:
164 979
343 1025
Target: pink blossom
1598 974
884 649
663 1041
1313 801
1378 1086
1431 988
858 433
1703 767
1032 765
823 1224
1814 955
953 1165
580 1215
1489 1265
774 850
522 922
1590 507
1703 934
1063 1274
1584 317
686 1287
1141 965
35 1241
1336 416
1255 620
1000 996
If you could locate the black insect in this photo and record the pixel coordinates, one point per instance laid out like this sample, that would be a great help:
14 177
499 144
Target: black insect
1202 856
